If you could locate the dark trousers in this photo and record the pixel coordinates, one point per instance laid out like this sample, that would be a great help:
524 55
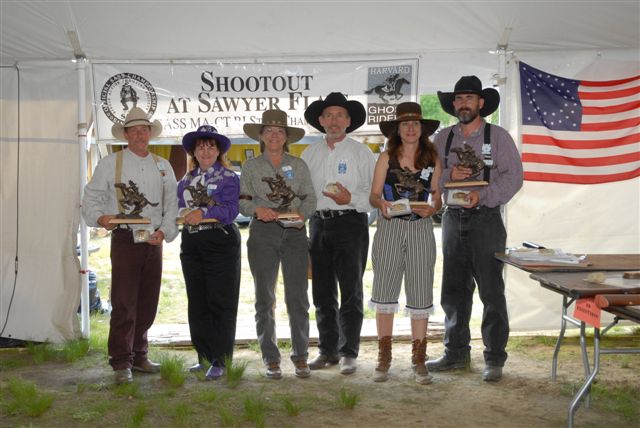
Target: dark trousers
470 240
339 249
136 270
211 268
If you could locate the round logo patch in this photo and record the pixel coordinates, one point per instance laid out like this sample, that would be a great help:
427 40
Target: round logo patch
125 91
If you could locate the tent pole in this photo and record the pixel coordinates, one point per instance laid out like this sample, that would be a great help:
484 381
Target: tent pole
82 147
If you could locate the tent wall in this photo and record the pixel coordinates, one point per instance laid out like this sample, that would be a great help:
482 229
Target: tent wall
40 202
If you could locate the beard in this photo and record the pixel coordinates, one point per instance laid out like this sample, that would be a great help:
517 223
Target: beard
466 115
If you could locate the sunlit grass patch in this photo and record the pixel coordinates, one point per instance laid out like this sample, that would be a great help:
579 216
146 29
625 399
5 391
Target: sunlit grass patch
234 370
348 400
172 369
25 399
255 410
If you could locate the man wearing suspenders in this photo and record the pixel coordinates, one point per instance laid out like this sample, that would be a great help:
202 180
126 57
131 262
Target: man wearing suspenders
473 232
136 267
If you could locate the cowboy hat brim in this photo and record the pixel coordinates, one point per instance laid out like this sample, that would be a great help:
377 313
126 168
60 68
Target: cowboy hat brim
252 130
429 126
491 101
356 110
117 130
190 138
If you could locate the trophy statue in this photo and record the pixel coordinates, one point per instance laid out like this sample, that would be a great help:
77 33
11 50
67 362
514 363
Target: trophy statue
410 188
200 198
467 158
284 196
130 198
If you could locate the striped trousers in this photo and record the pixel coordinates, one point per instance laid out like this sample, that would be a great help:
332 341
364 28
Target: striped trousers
403 249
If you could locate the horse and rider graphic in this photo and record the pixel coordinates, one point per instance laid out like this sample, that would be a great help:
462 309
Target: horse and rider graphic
390 89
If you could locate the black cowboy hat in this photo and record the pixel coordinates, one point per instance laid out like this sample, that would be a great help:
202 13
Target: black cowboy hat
356 111
408 111
205 131
470 85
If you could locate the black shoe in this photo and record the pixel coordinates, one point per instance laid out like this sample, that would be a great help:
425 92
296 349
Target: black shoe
492 373
445 363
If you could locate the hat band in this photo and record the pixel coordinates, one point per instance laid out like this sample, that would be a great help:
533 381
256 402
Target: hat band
132 122
273 123
409 116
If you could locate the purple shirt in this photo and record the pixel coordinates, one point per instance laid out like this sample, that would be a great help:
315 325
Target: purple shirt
506 174
223 185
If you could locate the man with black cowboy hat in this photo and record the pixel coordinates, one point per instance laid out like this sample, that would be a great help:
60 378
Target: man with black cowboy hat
341 171
136 268
473 232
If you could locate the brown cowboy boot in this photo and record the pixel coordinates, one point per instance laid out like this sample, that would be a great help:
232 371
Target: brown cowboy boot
418 358
381 372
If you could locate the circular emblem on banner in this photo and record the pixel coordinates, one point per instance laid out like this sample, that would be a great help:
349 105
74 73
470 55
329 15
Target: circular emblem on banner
125 91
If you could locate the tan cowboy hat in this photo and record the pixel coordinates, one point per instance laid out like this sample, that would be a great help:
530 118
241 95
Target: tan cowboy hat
273 118
136 116
405 112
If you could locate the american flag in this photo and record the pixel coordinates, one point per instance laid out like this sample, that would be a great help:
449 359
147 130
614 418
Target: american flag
578 131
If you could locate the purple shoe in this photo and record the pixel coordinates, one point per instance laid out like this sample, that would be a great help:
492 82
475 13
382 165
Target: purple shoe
214 373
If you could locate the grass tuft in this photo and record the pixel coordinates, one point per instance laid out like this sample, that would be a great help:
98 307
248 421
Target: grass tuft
348 400
172 370
205 396
290 407
181 414
74 350
41 352
255 410
127 389
139 412
234 370
26 399
226 417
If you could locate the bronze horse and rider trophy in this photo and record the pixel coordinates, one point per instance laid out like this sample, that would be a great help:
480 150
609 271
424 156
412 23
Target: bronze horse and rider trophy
283 195
131 202
200 198
457 189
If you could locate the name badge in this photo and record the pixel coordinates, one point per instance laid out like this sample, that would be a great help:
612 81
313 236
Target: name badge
161 168
342 167
426 173
212 186
288 171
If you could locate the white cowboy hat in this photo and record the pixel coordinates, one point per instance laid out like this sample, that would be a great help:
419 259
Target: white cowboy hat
136 116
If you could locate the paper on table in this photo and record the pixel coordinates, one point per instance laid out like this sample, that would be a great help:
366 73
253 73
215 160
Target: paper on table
548 255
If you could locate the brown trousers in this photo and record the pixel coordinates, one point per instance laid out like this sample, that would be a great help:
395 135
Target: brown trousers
136 270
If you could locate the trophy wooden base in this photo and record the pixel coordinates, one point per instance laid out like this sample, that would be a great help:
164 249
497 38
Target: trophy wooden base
289 214
142 220
419 204
180 220
459 184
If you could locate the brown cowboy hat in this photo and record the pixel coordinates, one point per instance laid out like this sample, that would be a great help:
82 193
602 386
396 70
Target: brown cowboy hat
273 118
470 85
405 112
356 111
136 116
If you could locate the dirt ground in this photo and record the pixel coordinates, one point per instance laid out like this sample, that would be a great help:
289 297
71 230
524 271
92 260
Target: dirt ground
526 396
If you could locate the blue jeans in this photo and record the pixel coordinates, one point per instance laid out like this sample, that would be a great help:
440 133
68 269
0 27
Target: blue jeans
339 248
470 240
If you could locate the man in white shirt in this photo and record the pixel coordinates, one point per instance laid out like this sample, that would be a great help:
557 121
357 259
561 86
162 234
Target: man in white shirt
136 268
341 171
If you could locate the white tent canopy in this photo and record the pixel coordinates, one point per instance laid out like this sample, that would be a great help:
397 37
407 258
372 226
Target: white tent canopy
40 168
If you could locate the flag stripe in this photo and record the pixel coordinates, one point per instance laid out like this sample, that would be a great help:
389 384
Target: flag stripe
580 179
563 160
609 94
609 82
610 126
630 106
576 131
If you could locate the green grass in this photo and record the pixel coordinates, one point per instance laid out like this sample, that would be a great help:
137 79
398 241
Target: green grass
255 410
348 400
42 352
139 412
622 400
234 370
26 399
227 418
127 390
290 407
172 369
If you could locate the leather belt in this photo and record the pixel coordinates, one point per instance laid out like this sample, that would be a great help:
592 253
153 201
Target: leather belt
199 227
328 214
474 210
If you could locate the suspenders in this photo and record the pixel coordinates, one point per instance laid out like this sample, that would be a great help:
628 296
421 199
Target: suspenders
486 151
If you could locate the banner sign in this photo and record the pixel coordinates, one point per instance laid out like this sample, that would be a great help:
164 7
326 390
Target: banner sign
185 96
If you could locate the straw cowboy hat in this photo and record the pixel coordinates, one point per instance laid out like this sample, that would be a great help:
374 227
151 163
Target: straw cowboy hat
470 85
405 112
136 116
205 132
273 118
356 111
